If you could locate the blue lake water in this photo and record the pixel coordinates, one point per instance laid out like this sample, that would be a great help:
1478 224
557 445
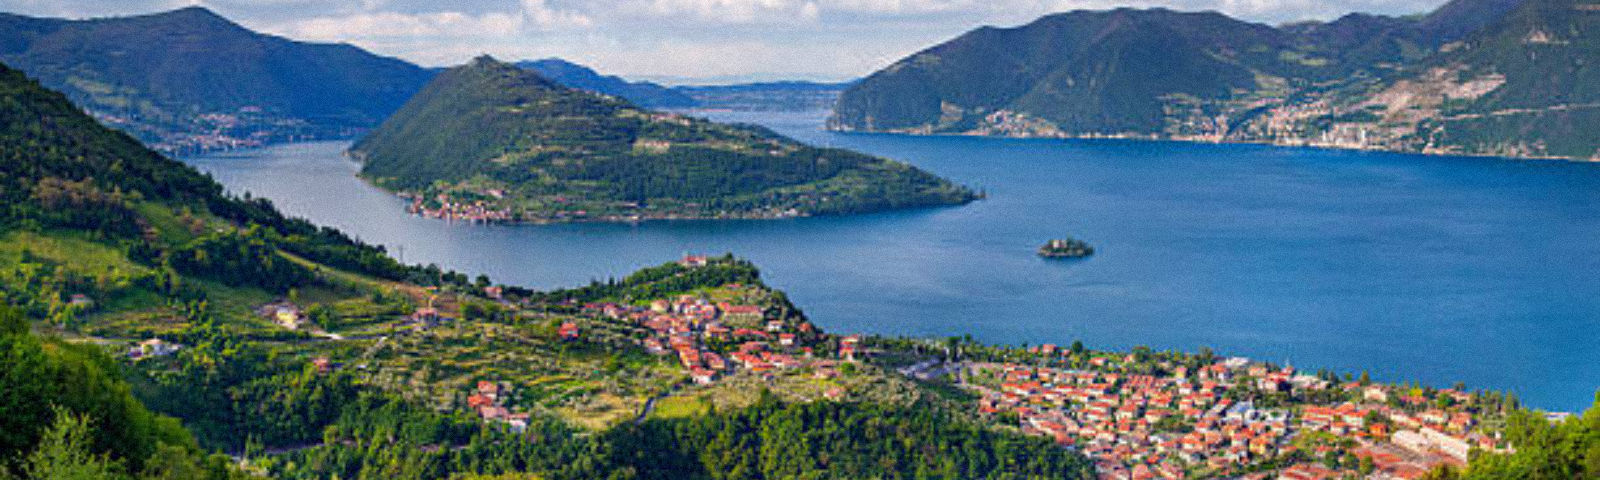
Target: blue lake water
1437 269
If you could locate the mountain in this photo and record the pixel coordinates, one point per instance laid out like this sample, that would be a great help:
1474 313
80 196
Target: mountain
572 75
753 97
1090 72
1497 77
1524 85
190 79
492 141
1457 19
793 96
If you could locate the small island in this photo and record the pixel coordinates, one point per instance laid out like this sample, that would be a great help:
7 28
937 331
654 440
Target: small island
1066 248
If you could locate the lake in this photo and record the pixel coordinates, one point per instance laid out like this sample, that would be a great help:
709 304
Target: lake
1438 269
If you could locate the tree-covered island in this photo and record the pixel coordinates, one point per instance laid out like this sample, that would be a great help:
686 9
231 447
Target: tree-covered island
489 141
1066 248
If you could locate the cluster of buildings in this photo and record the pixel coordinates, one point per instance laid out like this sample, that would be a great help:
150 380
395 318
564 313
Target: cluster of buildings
489 400
1140 426
449 209
1173 425
712 339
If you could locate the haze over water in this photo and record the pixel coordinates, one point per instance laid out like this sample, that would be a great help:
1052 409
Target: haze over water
1437 269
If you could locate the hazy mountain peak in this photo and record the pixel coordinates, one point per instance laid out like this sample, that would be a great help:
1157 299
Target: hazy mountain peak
581 77
1459 18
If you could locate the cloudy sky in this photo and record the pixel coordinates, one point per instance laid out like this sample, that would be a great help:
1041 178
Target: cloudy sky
672 40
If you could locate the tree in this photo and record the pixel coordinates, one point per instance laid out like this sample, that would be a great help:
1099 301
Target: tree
1442 472
171 462
63 453
322 316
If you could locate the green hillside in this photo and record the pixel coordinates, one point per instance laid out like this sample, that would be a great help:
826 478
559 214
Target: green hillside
1549 104
148 322
1492 77
492 141
103 241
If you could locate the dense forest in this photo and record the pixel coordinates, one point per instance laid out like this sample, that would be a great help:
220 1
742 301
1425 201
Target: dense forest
66 413
770 440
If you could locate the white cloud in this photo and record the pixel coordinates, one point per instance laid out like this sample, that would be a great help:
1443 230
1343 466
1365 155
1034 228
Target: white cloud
534 15
678 38
390 24
718 11
542 15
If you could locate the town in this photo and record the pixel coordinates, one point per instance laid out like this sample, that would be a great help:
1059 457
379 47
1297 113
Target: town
1137 416
1202 422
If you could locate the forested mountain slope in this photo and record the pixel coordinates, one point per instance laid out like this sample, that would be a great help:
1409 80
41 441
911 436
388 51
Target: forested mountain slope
1496 77
190 79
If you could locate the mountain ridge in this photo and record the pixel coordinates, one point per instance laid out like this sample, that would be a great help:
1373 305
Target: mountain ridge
1464 79
644 94
190 79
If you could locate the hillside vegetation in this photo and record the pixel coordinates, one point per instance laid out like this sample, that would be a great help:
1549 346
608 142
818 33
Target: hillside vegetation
151 322
495 142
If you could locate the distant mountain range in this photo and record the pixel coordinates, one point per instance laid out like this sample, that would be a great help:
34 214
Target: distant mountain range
764 96
644 94
1494 77
767 96
190 80
494 142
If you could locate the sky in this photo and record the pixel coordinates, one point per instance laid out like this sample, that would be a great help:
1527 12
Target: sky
675 41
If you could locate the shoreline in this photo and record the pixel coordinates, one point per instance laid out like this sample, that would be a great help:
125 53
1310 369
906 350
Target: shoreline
638 220
1200 141
668 219
412 197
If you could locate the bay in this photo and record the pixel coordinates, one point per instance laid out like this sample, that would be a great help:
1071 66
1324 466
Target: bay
1428 268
